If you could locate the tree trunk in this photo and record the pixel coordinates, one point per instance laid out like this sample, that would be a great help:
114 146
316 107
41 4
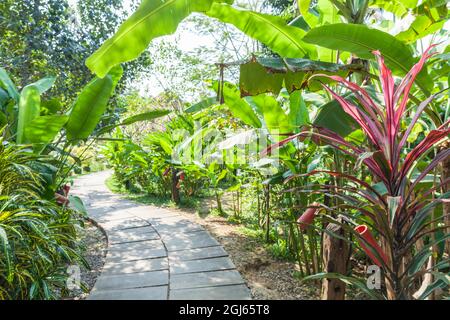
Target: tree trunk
175 190
219 203
335 257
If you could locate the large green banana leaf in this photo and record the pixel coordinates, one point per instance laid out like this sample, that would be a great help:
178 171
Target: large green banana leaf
298 113
44 84
421 27
394 6
275 119
89 108
304 8
239 107
206 103
7 84
146 116
153 18
29 109
333 117
271 30
44 129
278 121
4 97
362 40
269 74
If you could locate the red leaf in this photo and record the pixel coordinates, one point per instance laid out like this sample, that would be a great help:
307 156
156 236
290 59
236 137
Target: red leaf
387 83
370 243
307 217
407 82
367 124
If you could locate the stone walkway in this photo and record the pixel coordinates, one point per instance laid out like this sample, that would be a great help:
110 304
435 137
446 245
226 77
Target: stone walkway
154 253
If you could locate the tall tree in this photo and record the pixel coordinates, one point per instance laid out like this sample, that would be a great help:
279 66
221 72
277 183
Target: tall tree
51 37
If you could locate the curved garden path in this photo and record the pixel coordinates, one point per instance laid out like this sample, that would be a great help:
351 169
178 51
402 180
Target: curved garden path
155 253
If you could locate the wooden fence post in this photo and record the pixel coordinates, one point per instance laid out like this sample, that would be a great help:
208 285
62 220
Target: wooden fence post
335 259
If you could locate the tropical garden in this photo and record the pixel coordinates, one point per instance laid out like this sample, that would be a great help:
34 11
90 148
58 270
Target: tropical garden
319 128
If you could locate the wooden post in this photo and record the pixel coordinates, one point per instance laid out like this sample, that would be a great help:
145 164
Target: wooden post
335 258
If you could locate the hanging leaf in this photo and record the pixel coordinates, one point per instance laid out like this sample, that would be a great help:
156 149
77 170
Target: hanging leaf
7 84
268 74
29 109
44 84
45 128
146 116
298 113
304 8
421 27
206 103
275 119
89 108
362 40
78 204
239 107
271 30
152 19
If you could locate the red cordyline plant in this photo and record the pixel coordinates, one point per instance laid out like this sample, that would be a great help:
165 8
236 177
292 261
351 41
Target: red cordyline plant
404 217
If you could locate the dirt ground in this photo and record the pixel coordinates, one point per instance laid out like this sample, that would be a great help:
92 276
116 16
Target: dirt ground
267 277
95 243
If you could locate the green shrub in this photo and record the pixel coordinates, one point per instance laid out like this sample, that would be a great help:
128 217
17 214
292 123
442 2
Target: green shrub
37 237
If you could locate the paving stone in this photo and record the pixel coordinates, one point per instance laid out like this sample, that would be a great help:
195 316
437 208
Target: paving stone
140 245
181 227
169 221
124 224
213 264
153 213
232 292
205 279
132 280
140 238
180 241
201 253
132 235
112 215
117 256
149 293
145 265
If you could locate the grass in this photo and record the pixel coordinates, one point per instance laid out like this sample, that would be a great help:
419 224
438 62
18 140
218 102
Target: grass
152 199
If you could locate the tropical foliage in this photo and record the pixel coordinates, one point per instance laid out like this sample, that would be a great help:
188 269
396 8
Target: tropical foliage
367 157
329 141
